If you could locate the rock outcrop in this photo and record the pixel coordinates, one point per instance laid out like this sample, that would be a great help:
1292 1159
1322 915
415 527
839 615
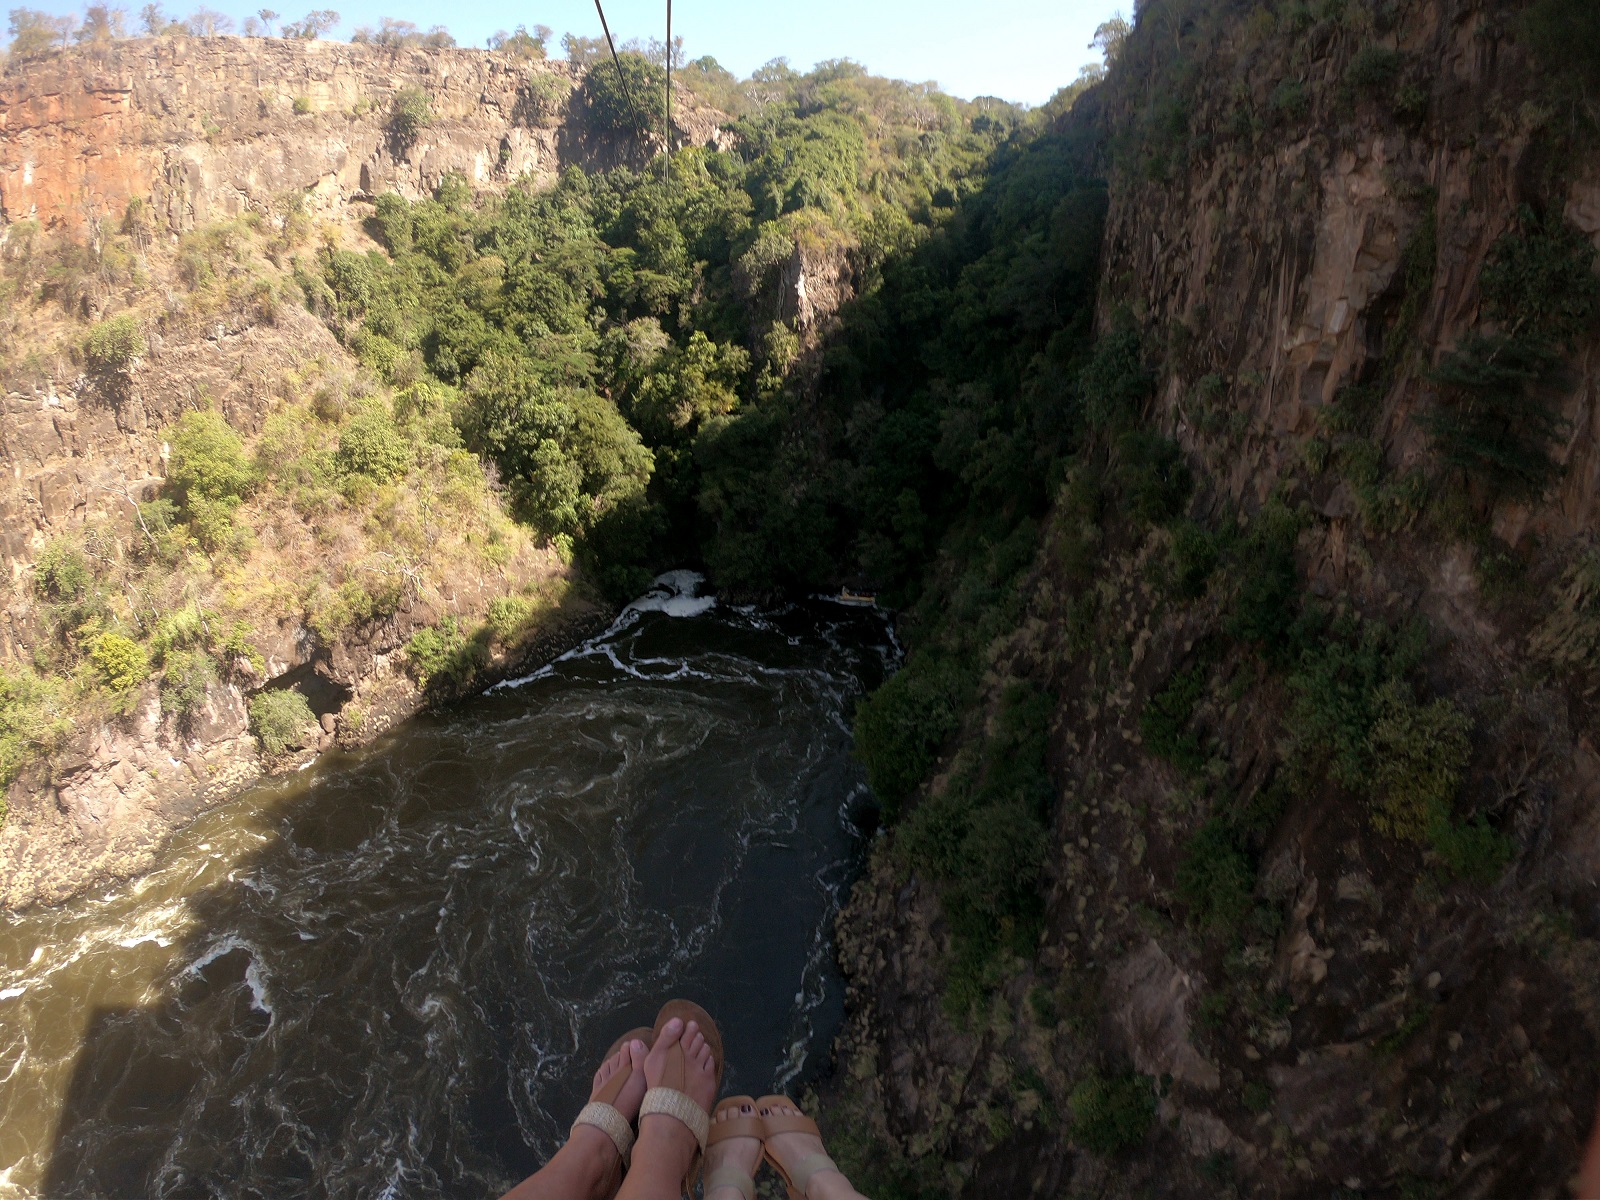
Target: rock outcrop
204 129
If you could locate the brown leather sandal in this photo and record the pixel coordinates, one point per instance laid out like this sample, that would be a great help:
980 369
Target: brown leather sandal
668 1098
734 1127
797 1179
601 1111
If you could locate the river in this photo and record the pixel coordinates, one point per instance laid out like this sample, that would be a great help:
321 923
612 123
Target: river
392 973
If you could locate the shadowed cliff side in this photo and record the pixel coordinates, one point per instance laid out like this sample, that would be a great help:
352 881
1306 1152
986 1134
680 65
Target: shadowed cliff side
1304 646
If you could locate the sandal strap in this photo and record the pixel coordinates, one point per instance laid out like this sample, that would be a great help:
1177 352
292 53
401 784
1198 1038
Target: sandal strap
799 1123
669 1102
610 1122
724 1128
731 1176
812 1164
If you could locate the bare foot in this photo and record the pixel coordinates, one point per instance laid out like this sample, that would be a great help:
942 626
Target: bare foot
631 1057
701 1082
589 1166
791 1149
666 1145
741 1152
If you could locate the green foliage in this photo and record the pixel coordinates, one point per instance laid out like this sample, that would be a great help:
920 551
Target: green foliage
629 104
1112 1114
1216 878
508 616
803 161
186 674
901 727
370 445
122 662
392 218
280 719
33 720
112 344
1495 422
61 571
443 655
210 473
1115 382
1150 472
1539 281
1420 754
1290 101
1498 419
1471 850
1341 689
1266 581
1192 558
983 837
1374 70
1164 721
302 105
410 113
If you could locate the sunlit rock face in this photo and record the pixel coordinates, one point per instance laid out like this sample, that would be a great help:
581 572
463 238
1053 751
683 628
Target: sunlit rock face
208 128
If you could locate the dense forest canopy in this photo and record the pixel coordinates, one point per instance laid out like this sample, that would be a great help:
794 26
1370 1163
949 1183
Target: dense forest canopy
615 345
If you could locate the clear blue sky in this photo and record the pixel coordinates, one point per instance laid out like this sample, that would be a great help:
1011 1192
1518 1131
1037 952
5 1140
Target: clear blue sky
1019 50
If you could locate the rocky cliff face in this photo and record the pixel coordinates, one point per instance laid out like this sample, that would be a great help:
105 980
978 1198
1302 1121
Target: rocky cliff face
214 142
1305 235
205 129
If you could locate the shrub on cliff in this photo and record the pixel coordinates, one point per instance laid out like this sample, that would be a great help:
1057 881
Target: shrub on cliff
1215 877
1498 419
211 474
1374 70
186 674
444 654
280 719
391 215
61 571
33 719
122 662
410 114
901 727
1420 754
1112 1114
371 446
113 344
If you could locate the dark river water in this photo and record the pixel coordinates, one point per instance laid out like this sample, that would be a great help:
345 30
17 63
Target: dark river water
393 974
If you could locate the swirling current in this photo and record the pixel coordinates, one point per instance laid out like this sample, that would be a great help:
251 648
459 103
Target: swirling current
393 974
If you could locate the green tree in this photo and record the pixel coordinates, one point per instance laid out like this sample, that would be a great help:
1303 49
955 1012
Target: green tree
629 103
34 33
371 445
208 470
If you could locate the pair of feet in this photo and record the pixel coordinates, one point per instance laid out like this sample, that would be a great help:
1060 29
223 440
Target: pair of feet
662 1133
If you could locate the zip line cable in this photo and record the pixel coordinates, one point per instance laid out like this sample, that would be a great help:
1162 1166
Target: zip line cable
621 78
668 160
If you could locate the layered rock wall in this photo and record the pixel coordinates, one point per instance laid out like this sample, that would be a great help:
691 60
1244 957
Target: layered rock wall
207 128
1282 230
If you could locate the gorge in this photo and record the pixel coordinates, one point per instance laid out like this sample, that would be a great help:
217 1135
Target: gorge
1221 436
